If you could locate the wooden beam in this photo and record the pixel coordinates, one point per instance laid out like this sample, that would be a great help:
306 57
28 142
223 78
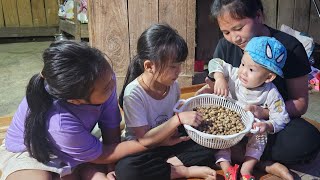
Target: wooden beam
51 10
27 31
301 15
38 13
136 10
24 13
1 15
108 31
270 12
10 13
285 12
314 25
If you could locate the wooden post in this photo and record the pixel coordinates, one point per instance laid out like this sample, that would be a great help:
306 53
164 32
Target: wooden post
115 26
108 31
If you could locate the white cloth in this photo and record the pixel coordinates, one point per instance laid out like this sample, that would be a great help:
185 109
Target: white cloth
11 162
140 109
266 96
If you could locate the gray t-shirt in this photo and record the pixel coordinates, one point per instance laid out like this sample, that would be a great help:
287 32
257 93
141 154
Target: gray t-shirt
140 109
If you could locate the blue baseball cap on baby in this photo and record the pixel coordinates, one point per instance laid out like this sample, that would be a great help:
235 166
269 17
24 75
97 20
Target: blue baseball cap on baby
267 52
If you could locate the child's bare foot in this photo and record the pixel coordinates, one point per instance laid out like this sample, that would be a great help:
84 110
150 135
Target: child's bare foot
193 172
276 169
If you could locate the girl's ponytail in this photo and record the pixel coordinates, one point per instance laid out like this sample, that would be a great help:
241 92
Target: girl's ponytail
135 69
39 102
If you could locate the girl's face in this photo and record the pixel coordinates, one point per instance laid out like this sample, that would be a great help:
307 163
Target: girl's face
239 31
251 74
103 88
170 74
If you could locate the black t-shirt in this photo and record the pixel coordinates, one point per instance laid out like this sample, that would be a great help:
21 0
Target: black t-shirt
297 63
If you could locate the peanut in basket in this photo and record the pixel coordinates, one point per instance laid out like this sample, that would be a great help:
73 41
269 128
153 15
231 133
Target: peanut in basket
219 121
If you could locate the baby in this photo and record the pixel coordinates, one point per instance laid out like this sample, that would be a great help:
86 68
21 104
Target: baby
251 84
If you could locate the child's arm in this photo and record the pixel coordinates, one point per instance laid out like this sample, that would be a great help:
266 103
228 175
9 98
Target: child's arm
168 128
113 152
278 115
221 85
220 70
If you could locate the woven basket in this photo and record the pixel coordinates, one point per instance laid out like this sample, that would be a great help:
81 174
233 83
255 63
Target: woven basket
210 140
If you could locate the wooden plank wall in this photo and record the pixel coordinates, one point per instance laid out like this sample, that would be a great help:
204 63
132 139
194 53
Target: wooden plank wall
28 17
115 26
1 16
300 15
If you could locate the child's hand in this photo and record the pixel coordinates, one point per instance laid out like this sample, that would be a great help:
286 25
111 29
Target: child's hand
262 126
257 111
221 87
192 118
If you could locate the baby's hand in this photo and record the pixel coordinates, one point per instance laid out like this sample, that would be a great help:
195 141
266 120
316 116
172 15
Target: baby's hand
192 118
262 126
257 111
221 87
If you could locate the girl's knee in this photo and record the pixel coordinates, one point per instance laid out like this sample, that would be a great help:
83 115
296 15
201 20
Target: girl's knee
31 174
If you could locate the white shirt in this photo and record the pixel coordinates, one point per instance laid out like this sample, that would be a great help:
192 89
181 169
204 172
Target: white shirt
140 109
266 96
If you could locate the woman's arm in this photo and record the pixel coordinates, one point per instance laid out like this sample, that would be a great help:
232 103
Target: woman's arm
297 103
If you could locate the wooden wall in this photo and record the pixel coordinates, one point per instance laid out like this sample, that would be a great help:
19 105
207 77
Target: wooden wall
298 14
20 18
115 26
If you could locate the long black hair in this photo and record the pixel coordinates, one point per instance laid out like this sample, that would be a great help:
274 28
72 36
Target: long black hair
160 44
70 71
238 9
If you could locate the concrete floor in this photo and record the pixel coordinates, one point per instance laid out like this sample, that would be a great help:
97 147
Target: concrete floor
18 62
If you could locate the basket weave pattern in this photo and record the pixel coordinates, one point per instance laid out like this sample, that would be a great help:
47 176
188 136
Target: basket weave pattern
210 140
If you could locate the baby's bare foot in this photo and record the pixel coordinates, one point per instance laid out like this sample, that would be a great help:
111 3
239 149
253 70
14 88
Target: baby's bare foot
276 169
201 172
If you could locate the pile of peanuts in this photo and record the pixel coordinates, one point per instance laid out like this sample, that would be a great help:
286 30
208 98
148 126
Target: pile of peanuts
219 121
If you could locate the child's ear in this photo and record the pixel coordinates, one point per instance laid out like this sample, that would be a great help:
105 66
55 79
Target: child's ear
148 66
270 77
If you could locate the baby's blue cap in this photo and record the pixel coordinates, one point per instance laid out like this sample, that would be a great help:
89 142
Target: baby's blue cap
268 52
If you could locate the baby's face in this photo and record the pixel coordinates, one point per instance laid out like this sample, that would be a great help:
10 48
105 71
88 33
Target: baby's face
251 74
